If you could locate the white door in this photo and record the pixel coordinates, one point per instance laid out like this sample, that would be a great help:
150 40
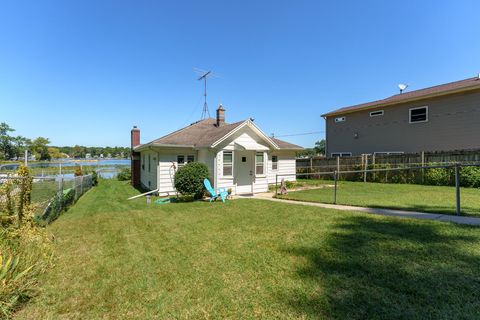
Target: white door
244 171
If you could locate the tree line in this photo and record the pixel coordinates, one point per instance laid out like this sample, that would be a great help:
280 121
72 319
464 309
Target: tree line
13 147
317 150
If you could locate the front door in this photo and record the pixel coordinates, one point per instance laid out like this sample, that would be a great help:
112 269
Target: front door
244 171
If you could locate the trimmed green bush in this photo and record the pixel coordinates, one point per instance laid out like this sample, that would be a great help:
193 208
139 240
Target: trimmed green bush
125 174
470 177
189 179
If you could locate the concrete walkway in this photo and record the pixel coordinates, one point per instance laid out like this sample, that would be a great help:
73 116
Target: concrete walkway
383 212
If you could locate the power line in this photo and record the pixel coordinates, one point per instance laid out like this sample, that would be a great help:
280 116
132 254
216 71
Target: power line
298 134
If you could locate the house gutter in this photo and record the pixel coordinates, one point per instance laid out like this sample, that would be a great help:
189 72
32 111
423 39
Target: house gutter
386 104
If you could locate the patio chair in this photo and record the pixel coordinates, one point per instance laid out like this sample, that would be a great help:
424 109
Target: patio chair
215 193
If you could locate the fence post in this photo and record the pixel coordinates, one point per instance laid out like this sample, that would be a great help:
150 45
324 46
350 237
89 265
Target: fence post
423 165
373 167
457 187
335 188
338 163
365 168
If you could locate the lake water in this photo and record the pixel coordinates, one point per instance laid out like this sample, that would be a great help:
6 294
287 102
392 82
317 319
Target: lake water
106 168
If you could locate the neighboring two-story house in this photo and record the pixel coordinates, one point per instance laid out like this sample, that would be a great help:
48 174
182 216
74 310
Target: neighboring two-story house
440 118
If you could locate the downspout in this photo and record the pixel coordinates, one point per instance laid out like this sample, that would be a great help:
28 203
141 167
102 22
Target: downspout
215 169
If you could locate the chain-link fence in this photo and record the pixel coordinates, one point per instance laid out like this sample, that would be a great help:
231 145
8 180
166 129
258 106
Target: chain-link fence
452 188
52 195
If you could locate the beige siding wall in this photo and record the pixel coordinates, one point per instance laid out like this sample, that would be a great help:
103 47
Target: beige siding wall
453 124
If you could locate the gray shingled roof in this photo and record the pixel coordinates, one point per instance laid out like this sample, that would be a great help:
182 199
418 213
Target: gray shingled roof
466 84
204 133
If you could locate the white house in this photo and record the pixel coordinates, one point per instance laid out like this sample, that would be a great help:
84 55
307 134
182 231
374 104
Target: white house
238 155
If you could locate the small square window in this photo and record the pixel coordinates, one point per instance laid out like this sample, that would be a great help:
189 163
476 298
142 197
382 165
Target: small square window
180 160
418 114
340 119
244 159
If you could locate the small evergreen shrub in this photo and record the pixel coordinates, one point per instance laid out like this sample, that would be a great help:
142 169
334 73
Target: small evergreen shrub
125 174
189 179
94 178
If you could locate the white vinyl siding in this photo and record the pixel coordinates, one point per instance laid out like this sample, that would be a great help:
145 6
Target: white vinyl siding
286 167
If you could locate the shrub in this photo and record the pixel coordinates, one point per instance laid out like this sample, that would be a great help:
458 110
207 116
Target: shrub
125 174
94 178
438 177
470 177
189 179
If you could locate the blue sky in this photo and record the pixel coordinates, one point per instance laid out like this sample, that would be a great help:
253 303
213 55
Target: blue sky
83 72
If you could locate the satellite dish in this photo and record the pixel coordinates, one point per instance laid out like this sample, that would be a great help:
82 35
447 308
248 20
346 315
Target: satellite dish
402 87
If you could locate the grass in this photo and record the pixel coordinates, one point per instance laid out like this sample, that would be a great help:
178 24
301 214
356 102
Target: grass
396 196
118 259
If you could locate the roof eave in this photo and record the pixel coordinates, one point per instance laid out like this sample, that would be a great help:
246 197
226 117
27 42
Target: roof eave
432 95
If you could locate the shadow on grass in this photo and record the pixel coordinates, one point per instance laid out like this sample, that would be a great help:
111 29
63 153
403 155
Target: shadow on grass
375 269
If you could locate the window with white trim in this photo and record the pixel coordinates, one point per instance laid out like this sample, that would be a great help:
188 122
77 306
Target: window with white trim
340 119
419 114
341 154
227 163
184 159
259 163
376 113
274 162
180 160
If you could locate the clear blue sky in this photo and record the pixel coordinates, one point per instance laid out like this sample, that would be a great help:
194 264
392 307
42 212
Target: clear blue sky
83 72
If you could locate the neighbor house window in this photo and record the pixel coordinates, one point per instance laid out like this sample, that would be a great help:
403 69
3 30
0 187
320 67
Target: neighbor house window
190 158
274 162
340 119
418 114
341 154
143 161
227 163
376 113
259 163
149 166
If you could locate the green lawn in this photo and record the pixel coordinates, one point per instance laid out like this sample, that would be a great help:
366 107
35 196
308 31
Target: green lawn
397 196
253 259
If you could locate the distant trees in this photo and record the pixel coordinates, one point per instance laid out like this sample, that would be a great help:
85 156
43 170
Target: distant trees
317 150
13 147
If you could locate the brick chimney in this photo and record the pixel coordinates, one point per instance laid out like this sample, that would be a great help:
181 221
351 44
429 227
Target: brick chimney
135 137
220 116
135 156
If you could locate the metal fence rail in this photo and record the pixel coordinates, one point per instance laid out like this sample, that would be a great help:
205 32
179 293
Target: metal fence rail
335 176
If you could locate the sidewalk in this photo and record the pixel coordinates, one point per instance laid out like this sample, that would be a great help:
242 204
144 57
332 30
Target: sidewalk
384 212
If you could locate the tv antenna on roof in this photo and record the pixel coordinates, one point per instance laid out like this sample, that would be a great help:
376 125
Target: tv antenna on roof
402 87
203 76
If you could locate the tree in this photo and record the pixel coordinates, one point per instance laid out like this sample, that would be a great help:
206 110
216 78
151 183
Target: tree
40 149
55 153
6 147
320 147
